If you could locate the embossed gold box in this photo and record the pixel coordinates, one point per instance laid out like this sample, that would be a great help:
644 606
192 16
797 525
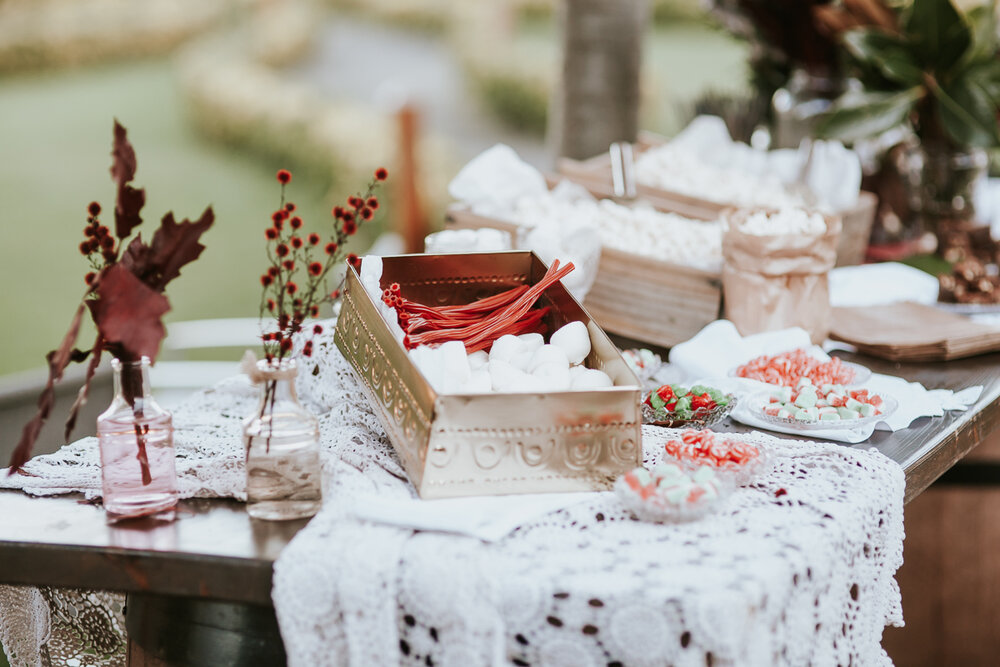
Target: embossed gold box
489 444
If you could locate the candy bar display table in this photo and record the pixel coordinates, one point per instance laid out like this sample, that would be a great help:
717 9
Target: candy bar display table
201 586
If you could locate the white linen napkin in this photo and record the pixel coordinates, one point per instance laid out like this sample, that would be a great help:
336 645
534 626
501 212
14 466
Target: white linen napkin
881 284
714 352
488 518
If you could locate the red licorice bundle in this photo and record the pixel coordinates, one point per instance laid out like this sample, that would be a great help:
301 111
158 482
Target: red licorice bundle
479 323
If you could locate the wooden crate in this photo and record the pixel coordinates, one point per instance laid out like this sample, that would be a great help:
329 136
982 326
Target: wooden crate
637 297
595 175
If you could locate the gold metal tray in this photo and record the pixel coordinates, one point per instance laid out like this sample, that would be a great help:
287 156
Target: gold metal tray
489 444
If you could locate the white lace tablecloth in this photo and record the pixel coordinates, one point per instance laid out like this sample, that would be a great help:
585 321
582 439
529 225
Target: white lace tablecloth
796 569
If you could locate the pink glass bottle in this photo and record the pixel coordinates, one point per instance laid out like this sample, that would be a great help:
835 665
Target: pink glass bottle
136 440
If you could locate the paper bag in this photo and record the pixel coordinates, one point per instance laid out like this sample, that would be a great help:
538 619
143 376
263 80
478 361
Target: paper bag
780 280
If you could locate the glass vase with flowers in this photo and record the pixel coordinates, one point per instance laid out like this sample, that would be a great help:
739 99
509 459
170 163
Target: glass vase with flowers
282 437
125 297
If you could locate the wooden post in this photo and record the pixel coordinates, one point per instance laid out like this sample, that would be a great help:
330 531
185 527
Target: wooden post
597 101
412 220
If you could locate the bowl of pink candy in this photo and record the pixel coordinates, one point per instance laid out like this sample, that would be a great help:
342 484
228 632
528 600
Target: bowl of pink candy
731 458
670 493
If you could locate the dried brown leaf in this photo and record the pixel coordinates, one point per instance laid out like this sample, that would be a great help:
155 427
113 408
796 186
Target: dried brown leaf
57 360
127 314
130 200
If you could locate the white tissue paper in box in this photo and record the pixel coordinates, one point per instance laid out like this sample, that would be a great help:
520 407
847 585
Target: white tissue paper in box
496 177
703 161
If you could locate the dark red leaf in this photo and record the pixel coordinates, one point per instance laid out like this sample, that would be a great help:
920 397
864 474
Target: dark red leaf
136 256
130 200
174 245
127 314
58 360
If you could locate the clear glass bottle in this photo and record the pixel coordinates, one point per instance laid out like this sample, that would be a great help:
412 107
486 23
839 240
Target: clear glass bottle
282 449
136 439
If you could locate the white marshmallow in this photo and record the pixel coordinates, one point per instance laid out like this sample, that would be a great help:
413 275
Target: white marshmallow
548 354
506 378
479 382
590 378
532 341
574 339
506 348
478 359
553 376
454 363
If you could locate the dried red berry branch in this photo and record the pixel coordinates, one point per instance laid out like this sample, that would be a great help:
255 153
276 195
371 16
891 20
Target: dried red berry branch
295 284
124 293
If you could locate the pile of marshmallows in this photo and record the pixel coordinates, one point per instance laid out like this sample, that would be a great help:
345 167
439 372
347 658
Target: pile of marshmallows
784 221
522 363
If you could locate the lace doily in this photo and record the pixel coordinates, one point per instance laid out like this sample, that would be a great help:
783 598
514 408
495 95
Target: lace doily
798 568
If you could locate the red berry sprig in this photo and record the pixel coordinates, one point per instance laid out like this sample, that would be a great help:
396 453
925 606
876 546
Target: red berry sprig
98 245
295 283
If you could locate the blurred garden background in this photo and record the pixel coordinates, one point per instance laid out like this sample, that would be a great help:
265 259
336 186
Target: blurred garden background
219 94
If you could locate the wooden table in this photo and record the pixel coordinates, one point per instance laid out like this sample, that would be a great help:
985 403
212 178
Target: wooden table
215 552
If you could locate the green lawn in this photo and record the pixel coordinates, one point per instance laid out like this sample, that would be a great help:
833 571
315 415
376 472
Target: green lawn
55 140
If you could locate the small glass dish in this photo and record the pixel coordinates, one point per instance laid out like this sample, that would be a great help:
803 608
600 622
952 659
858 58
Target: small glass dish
759 401
656 508
741 474
701 419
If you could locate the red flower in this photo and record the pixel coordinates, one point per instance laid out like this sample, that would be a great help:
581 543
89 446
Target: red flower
270 305
314 239
94 208
330 248
109 255
295 222
289 207
91 276
381 174
266 280
282 321
317 329
277 217
372 203
315 268
284 176
307 350
271 233
367 213
289 265
297 303
286 344
102 231
314 311
350 227
107 243
335 294
281 250
354 261
296 242
85 248
273 271
356 202
291 288
89 231
338 212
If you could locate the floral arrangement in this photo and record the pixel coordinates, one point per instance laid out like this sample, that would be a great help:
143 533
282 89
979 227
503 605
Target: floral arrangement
296 281
124 294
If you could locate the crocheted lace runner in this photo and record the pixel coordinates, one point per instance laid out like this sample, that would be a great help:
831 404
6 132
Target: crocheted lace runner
797 568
